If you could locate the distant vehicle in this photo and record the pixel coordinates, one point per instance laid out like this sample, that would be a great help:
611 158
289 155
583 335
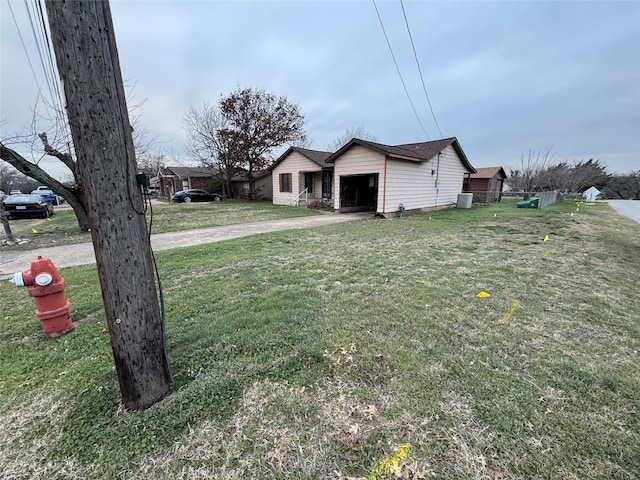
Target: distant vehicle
27 205
47 194
195 195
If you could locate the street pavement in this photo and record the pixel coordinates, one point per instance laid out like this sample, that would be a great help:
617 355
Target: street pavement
83 254
628 208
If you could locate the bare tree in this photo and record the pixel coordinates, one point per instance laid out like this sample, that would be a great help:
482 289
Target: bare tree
57 143
205 145
74 194
526 178
350 133
242 131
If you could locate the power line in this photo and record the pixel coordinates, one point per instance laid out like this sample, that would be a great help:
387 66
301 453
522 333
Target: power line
399 73
24 47
424 87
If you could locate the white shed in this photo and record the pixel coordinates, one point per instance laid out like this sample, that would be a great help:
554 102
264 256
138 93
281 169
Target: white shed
591 194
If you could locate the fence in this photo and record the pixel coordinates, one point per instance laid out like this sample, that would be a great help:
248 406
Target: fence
545 198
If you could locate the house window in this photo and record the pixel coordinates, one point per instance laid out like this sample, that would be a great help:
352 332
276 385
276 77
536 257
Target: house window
308 182
285 182
326 183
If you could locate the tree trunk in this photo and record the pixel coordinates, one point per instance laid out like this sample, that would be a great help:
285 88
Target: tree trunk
4 218
87 58
72 195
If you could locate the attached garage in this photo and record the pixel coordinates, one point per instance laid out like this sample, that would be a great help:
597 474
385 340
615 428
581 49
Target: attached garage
386 179
358 192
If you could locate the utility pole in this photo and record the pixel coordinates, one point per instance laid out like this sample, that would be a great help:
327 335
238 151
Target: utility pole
87 58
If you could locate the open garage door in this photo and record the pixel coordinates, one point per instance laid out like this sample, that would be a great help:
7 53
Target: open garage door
358 193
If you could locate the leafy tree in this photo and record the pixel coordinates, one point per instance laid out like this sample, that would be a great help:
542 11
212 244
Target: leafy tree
539 172
350 133
242 131
576 177
624 186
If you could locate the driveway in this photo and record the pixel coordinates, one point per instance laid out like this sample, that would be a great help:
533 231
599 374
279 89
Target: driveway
82 253
628 208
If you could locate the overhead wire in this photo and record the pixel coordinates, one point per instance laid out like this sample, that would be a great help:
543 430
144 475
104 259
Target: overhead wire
53 69
35 77
415 54
398 69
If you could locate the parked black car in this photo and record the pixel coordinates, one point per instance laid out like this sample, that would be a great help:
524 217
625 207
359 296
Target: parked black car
26 205
195 195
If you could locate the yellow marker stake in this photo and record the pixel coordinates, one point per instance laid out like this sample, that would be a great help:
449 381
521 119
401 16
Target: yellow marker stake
546 238
514 306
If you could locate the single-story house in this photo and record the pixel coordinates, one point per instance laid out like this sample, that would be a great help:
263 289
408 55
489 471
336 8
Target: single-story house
486 184
300 175
174 179
241 185
368 176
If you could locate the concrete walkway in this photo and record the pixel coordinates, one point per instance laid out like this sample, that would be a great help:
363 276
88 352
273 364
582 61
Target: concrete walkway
82 253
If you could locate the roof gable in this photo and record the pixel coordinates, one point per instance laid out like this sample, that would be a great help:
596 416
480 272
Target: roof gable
489 172
317 156
416 152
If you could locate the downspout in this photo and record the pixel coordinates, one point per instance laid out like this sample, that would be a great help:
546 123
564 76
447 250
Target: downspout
384 189
438 178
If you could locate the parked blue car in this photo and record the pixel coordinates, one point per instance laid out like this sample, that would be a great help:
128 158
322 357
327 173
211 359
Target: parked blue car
47 194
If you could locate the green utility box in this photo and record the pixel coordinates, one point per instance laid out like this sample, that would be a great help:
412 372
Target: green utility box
533 203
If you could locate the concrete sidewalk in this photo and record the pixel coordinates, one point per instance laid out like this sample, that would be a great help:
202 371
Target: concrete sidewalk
82 253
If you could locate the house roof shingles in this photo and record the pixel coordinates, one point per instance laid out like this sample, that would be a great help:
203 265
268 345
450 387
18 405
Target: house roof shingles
316 156
417 152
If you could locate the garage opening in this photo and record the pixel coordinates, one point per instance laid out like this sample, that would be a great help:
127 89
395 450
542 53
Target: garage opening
359 193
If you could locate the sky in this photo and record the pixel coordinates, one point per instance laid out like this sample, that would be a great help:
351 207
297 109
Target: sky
505 78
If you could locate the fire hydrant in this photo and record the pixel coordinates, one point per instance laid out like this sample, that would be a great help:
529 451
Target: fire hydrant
46 286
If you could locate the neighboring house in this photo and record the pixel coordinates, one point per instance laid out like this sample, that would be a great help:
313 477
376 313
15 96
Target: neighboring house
299 174
486 184
262 185
591 194
381 178
174 179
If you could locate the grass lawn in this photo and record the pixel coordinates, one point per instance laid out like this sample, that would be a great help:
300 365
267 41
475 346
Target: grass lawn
354 351
62 228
